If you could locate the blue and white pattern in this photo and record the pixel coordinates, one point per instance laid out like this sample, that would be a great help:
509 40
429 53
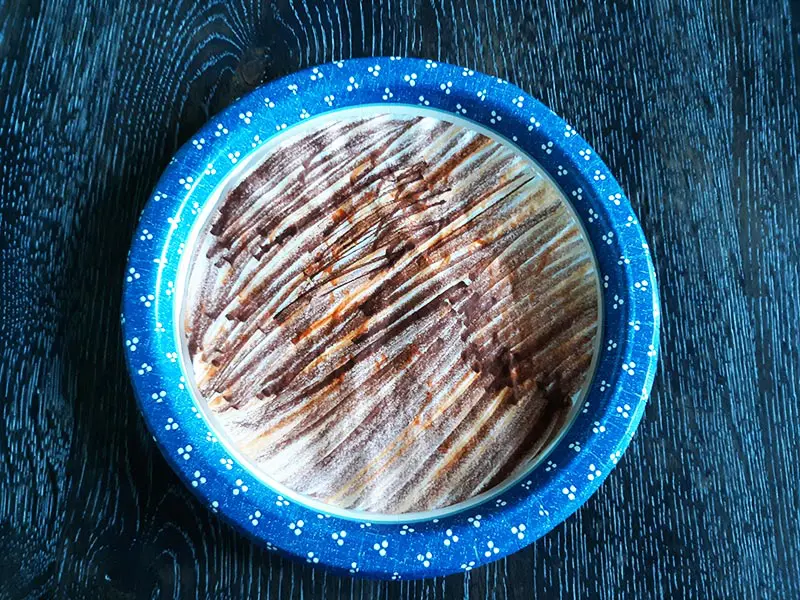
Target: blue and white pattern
503 523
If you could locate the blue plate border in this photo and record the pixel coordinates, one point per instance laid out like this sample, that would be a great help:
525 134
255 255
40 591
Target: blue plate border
503 523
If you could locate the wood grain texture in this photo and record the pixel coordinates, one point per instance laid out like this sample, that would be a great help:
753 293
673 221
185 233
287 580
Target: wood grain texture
694 106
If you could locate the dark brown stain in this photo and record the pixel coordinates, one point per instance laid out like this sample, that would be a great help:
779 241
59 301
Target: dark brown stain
390 296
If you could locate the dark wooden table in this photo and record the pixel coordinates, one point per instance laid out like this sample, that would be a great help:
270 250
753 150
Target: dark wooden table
693 105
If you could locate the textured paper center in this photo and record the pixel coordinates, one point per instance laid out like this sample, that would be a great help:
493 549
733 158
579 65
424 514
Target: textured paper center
391 313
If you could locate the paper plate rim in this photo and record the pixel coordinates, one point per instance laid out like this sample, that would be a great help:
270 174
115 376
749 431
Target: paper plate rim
404 548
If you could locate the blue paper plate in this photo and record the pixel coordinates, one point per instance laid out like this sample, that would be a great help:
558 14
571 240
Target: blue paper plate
413 546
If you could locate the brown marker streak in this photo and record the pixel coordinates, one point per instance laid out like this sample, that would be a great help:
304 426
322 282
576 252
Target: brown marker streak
390 312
